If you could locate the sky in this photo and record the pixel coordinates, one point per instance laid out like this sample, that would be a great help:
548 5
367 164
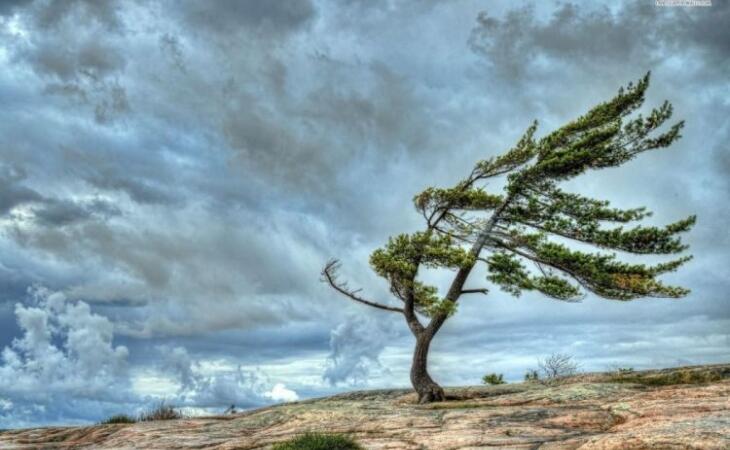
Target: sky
174 175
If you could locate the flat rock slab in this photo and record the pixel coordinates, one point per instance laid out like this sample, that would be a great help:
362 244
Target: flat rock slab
669 409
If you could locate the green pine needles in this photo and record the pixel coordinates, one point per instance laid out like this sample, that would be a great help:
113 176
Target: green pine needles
523 234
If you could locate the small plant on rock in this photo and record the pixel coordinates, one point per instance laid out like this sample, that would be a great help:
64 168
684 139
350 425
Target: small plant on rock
493 379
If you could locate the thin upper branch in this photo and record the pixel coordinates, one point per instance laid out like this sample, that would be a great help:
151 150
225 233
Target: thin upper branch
329 275
475 291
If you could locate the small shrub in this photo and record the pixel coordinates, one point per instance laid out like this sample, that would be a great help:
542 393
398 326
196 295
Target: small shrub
319 441
556 366
625 370
493 379
161 412
118 418
532 375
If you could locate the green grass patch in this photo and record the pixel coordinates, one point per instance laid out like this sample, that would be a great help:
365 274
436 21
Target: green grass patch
319 441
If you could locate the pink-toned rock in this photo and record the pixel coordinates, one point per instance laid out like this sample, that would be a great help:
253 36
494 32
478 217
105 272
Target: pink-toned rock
687 408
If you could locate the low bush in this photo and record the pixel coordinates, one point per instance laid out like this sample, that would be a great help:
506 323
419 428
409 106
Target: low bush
161 412
493 378
118 418
319 441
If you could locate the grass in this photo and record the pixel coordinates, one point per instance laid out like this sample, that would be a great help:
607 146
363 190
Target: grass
669 378
319 441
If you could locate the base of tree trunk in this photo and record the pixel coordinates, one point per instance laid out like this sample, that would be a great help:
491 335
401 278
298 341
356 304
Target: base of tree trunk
430 394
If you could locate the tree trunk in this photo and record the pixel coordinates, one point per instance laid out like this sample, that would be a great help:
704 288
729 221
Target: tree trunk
428 390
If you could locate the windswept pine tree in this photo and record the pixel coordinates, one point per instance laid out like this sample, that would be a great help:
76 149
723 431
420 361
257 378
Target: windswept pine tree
522 233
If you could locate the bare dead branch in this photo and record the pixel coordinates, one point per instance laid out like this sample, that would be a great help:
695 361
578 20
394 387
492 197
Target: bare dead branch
329 276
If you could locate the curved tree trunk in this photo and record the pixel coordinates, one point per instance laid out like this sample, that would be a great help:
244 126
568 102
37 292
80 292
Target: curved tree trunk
428 390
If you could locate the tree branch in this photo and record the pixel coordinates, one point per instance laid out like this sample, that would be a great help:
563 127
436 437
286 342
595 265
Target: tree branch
457 285
329 276
537 260
475 291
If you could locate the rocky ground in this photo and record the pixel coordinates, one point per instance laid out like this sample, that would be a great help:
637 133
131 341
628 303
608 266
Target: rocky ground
687 408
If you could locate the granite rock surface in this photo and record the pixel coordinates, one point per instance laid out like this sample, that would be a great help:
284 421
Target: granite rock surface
685 408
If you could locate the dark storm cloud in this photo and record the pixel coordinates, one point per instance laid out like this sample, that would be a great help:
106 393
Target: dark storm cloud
82 12
231 16
9 6
12 193
573 34
376 115
71 46
46 211
185 168
91 58
62 212
141 175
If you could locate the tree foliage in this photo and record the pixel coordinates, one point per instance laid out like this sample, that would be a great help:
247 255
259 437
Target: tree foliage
532 209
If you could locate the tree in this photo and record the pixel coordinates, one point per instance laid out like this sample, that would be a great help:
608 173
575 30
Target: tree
556 366
531 221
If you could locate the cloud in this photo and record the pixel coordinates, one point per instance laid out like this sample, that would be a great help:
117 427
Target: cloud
65 358
19 203
521 43
239 387
12 193
9 6
355 348
280 393
231 16
65 368
86 68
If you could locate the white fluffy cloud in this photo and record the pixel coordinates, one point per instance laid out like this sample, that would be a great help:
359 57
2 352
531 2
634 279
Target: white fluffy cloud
355 348
65 368
203 388
64 355
280 393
